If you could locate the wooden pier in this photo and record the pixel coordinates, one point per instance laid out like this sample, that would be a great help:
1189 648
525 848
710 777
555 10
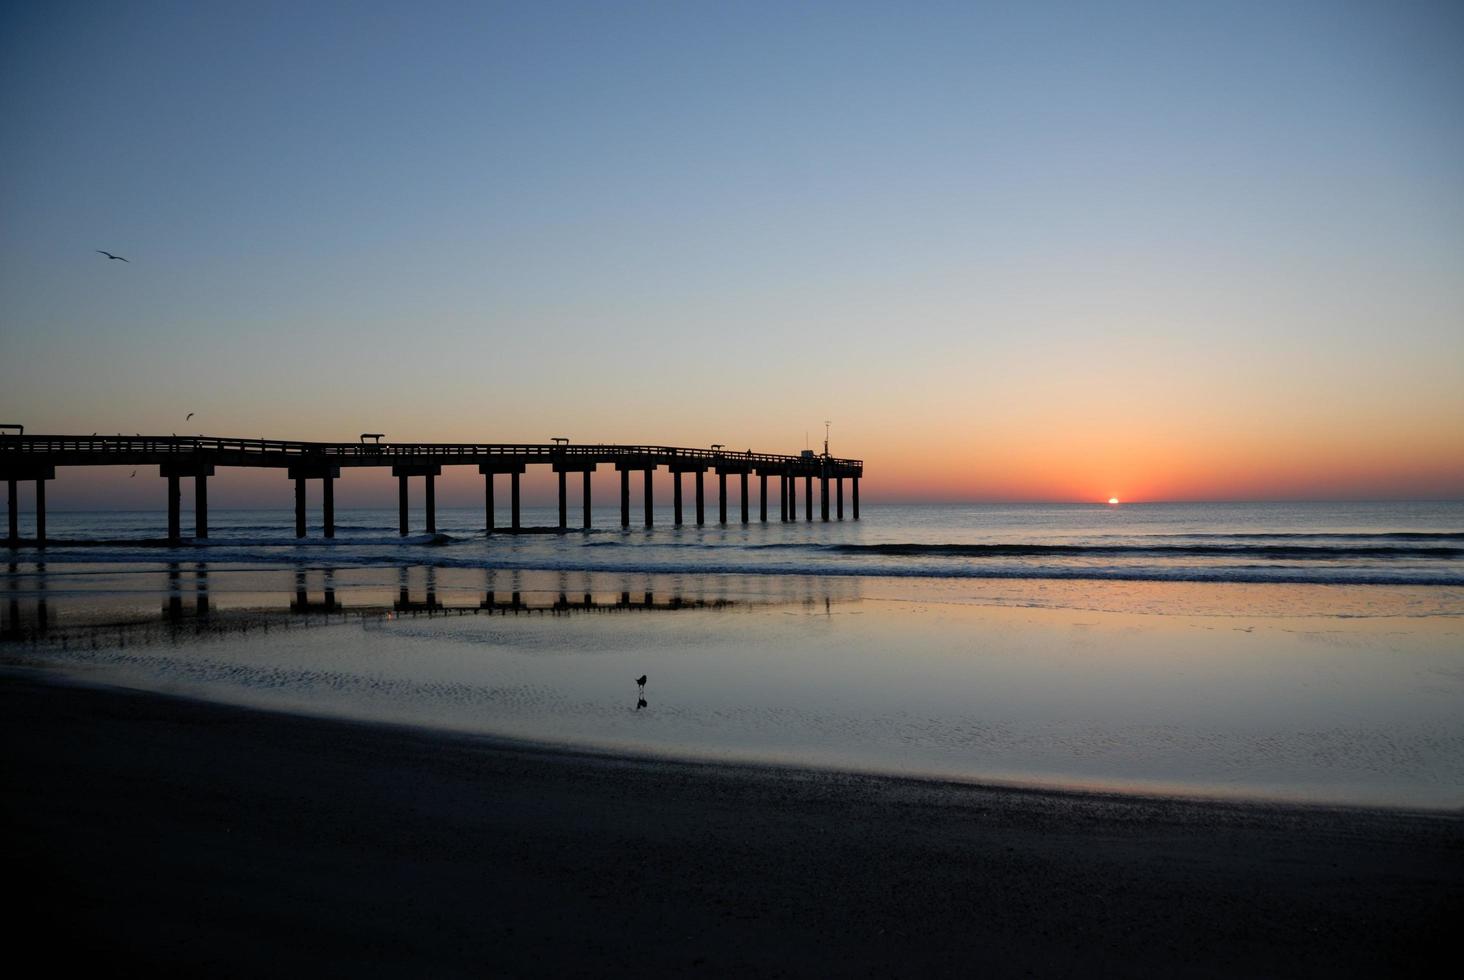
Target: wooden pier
38 457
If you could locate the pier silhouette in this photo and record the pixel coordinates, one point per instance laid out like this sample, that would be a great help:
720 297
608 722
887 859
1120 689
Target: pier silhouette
38 457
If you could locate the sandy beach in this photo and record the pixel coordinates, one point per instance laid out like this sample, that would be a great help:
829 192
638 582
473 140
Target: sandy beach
170 834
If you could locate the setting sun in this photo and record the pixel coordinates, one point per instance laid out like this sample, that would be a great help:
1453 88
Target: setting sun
1113 500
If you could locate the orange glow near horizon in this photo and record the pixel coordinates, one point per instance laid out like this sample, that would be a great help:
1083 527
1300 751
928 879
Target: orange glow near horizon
933 438
908 473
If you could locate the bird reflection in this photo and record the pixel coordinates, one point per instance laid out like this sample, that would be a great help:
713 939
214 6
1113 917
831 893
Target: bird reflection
640 703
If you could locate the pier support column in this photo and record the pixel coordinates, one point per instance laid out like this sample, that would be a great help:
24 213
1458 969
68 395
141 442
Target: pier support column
403 473
854 487
487 503
824 496
200 506
721 497
808 499
199 473
12 500
744 496
625 498
650 502
701 498
175 520
563 501
564 467
762 496
327 503
515 519
40 513
676 497
793 498
839 496
299 506
402 506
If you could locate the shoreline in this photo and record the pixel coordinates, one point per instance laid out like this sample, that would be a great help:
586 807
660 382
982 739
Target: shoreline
185 834
611 754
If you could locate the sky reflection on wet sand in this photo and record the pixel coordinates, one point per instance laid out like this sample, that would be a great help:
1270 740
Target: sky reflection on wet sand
1313 693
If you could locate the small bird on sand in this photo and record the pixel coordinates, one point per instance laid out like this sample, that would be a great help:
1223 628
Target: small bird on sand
111 256
134 473
188 416
640 681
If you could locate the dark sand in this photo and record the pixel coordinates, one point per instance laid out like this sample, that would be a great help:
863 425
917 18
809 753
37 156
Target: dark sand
169 834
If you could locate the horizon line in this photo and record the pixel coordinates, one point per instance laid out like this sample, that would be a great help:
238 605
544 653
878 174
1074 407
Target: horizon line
878 503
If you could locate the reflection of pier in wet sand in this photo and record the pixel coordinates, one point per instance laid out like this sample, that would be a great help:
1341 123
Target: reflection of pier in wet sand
34 619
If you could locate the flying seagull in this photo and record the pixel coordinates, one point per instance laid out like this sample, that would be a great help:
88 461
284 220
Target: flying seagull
111 256
188 416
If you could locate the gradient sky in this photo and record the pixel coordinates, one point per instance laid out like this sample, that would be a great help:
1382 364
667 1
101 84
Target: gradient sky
1013 250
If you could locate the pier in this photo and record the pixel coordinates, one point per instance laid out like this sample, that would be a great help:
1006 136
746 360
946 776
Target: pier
39 457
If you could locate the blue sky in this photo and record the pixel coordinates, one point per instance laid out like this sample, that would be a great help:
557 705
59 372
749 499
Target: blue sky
1085 228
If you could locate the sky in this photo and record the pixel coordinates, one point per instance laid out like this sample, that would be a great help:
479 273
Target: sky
1012 251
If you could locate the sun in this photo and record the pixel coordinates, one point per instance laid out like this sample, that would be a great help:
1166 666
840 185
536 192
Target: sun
1113 500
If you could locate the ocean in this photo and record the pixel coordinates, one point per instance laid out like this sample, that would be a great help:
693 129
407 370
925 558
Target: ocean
1322 543
1308 652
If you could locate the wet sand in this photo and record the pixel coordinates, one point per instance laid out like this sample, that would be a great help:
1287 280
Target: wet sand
163 833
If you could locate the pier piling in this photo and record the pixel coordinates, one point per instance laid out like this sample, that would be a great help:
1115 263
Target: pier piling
563 501
200 506
327 503
402 505
175 520
299 506
514 468
403 473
